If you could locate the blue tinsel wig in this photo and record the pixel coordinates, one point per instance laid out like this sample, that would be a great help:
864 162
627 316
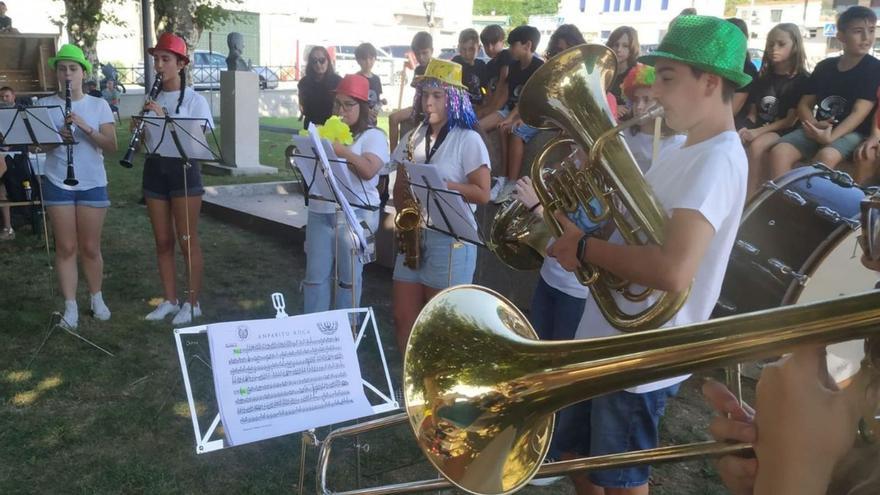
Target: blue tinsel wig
459 111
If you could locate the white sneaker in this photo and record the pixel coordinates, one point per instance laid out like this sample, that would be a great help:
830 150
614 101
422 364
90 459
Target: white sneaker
100 310
546 481
505 193
500 182
162 310
185 316
70 319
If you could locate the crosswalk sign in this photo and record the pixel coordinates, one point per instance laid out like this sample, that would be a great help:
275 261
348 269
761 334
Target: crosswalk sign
830 30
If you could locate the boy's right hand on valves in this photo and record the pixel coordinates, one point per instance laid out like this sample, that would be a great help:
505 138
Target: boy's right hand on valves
525 193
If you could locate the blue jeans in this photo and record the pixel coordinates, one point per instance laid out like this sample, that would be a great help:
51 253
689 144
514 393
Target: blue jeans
555 315
617 422
326 235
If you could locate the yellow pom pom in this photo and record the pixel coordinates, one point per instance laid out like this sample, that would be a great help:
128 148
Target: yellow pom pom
336 131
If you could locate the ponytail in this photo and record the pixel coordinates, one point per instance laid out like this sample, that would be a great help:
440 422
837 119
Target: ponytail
182 89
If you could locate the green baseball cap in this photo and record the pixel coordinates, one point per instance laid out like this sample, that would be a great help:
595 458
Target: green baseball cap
73 53
707 43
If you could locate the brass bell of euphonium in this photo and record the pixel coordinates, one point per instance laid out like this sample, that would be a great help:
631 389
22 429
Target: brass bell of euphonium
568 92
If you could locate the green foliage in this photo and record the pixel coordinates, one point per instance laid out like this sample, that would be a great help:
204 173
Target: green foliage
83 20
518 10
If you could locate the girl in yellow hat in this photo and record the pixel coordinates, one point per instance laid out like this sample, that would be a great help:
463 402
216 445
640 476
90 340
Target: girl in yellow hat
448 139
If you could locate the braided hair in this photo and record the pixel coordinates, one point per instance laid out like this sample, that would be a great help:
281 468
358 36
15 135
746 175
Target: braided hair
182 89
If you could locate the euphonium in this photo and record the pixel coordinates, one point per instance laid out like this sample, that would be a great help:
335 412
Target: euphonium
568 92
408 220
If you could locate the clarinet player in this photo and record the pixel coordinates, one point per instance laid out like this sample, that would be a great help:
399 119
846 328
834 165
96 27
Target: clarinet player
75 193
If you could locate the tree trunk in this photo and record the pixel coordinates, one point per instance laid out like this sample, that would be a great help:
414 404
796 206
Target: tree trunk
84 19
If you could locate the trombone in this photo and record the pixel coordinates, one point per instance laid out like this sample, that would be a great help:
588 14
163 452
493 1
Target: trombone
483 416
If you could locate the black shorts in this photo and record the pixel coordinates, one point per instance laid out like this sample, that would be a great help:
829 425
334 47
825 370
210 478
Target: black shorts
164 178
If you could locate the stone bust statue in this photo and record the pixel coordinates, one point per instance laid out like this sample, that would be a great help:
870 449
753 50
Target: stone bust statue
235 41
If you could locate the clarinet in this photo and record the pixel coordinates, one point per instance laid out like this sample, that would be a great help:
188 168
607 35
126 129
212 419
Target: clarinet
139 130
71 178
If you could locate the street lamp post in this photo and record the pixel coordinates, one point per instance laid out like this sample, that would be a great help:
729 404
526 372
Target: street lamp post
429 6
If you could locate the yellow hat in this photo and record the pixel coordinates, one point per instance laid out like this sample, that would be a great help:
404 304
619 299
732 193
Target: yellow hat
444 71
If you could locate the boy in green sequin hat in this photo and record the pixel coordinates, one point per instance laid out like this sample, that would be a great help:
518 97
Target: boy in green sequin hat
700 185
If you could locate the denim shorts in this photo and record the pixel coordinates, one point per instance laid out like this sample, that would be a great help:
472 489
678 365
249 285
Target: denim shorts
95 197
434 269
808 148
522 131
616 422
163 178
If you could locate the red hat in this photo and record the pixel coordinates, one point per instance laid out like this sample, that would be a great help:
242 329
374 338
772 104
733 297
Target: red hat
171 43
356 86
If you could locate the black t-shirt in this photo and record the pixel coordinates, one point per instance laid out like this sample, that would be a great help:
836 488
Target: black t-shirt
317 98
774 95
420 70
375 94
837 91
749 68
493 68
517 77
5 22
617 86
473 77
741 118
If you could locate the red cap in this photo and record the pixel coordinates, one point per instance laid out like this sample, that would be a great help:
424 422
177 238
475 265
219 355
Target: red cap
171 43
355 86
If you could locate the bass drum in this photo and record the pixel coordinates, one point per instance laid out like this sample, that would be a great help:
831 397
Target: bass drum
798 243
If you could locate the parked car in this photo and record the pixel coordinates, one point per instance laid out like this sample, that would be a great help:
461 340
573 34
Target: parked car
206 68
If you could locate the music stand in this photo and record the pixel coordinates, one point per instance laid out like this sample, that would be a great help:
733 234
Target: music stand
187 142
445 211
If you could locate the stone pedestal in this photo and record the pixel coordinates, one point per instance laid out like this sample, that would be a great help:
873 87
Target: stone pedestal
240 125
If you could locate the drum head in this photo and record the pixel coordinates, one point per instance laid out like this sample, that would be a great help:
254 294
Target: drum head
841 273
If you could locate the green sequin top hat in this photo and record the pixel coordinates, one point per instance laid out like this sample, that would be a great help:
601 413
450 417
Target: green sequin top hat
72 53
707 43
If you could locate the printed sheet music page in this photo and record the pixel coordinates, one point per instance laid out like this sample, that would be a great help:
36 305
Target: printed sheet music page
279 376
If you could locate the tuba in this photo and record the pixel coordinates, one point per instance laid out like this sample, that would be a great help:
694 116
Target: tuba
408 220
568 92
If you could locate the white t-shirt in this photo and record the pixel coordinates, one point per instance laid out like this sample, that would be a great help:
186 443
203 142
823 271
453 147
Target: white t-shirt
373 141
88 158
642 146
709 177
193 106
560 279
462 152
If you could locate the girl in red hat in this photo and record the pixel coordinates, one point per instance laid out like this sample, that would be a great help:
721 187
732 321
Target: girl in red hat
173 192
77 210
326 233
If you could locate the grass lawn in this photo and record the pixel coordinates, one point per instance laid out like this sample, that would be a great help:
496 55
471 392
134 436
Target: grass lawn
78 421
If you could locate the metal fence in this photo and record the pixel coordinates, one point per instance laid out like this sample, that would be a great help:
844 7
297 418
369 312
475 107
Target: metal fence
209 76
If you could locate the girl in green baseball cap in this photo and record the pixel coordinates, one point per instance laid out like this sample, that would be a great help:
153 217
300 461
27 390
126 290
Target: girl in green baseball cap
77 207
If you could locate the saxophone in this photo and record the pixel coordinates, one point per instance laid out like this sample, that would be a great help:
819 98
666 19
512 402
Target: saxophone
408 220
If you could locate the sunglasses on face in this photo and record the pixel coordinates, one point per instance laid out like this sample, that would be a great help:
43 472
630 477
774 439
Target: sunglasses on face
319 60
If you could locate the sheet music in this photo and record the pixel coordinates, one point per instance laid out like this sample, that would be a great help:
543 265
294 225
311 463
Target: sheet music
14 132
350 185
353 223
191 133
456 211
279 376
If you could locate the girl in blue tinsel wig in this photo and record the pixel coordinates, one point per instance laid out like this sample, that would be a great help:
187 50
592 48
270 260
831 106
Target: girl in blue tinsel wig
447 139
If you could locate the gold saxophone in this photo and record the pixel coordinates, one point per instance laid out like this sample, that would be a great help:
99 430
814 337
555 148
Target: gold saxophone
408 220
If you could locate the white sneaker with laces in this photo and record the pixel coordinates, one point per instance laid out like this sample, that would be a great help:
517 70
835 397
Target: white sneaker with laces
186 314
500 182
99 309
505 193
163 310
70 319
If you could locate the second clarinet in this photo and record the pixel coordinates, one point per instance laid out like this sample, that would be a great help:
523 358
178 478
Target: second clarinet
138 133
70 180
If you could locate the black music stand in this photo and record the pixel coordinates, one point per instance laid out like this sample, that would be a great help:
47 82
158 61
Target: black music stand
308 165
446 211
33 126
